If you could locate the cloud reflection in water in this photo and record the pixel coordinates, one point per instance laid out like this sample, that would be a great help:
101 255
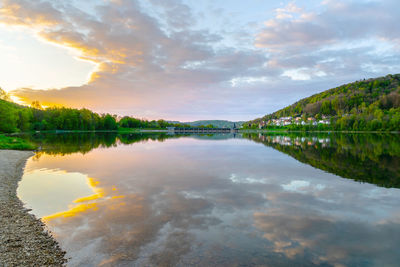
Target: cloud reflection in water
203 202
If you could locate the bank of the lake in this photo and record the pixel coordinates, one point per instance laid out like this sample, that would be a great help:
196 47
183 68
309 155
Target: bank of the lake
23 238
15 143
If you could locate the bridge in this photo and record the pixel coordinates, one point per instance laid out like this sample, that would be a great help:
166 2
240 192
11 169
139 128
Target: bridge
201 130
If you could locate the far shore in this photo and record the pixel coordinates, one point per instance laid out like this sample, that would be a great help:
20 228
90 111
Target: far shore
24 240
141 130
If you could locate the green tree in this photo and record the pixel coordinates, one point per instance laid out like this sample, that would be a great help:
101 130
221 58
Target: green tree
24 119
8 120
110 123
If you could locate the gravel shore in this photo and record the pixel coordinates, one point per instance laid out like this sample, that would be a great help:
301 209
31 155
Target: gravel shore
23 238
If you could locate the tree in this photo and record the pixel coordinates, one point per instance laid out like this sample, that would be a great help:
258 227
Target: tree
110 123
162 123
326 108
36 105
24 118
8 120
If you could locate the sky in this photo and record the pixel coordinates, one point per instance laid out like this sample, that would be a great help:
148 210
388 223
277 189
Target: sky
189 60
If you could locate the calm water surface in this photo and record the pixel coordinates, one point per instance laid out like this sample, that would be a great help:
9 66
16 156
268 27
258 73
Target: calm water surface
270 200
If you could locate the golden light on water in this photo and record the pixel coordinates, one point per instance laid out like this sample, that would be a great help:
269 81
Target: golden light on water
72 193
72 212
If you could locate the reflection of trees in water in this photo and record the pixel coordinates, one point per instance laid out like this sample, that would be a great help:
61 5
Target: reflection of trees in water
62 144
67 143
371 158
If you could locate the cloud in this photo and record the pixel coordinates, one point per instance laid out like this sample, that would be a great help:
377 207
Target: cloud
141 65
158 59
337 23
341 37
338 243
28 13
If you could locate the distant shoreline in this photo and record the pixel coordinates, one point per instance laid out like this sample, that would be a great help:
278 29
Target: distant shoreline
24 241
136 130
315 131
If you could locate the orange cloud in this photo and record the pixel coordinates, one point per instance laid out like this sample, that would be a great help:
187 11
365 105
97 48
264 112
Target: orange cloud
29 14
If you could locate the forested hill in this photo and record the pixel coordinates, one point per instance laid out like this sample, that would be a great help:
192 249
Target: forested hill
371 104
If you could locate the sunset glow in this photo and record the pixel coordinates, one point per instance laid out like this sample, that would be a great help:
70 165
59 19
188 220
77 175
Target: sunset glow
187 60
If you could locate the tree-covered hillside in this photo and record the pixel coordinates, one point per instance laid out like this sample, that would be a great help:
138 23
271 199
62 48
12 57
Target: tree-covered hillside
372 104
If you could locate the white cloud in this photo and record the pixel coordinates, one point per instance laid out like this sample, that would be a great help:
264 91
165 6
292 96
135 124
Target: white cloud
351 35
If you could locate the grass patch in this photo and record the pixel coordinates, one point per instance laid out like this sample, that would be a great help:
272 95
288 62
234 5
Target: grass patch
12 142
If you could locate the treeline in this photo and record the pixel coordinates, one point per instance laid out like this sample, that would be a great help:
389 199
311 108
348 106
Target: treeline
129 122
370 105
17 118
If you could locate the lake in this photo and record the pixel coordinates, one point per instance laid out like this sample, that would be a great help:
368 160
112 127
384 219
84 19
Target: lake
218 200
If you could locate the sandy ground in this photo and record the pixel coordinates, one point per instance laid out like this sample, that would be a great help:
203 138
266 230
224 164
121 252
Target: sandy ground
23 238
